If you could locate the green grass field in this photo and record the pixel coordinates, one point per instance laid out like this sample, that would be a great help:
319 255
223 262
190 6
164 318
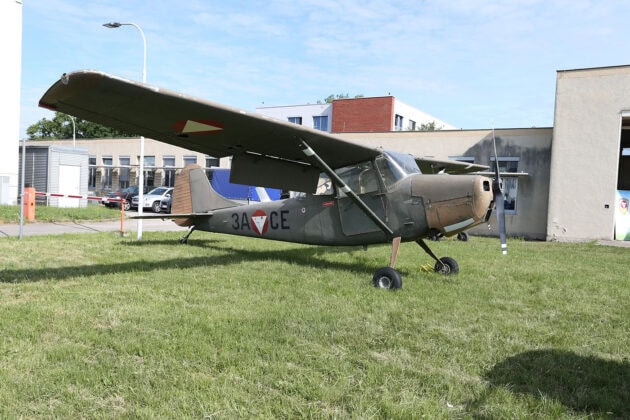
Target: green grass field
102 326
94 211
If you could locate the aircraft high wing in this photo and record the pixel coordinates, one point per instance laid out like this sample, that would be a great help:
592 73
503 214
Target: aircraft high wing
353 195
266 151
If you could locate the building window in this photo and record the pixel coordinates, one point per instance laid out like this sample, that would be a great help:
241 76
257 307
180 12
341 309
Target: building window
189 160
106 180
510 184
169 171
412 125
149 171
92 173
295 120
398 122
211 162
320 122
124 172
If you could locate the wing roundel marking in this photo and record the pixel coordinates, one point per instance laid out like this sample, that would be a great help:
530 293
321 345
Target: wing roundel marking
197 127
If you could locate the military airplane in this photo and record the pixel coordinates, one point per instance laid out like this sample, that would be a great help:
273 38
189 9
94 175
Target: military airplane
348 194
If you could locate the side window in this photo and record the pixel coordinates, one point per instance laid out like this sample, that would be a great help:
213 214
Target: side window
324 185
361 178
510 184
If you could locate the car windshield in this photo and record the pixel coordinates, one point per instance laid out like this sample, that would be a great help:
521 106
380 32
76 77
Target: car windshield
158 191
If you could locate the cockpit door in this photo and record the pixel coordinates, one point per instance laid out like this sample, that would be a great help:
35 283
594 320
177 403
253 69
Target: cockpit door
363 179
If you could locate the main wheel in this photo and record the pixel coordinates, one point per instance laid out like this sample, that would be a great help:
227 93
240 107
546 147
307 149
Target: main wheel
387 278
448 266
156 207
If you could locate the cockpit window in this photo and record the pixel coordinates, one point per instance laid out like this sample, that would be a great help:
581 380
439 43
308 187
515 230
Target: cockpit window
324 185
395 166
361 178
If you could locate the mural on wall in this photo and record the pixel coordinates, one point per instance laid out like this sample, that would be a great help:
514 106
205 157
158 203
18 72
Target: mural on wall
622 216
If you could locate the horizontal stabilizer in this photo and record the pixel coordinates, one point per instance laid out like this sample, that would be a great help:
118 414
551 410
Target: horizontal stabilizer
171 216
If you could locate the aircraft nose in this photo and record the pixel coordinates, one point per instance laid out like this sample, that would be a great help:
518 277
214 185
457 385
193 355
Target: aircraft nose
454 203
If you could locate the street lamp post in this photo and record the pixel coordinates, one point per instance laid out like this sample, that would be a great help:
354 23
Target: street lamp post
144 80
74 132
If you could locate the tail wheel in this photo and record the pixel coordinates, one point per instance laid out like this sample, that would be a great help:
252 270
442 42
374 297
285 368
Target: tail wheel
462 236
387 278
446 266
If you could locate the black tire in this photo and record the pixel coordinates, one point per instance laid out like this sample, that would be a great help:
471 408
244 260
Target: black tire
462 236
387 278
155 207
127 205
449 266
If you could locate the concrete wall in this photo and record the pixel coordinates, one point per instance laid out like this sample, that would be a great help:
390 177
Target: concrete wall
585 156
10 74
531 145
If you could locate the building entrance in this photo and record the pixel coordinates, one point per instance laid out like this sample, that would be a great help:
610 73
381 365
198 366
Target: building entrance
622 198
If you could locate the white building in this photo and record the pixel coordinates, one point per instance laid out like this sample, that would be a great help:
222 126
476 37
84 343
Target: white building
11 52
383 113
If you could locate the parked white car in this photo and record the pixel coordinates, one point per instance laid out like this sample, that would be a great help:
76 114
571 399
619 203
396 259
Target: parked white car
153 198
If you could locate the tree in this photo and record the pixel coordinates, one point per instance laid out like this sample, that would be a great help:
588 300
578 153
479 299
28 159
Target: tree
60 127
430 126
332 97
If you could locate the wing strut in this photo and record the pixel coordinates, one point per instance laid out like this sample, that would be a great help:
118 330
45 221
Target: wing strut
306 149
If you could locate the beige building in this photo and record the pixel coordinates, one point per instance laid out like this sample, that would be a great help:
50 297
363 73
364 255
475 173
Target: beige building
590 160
114 163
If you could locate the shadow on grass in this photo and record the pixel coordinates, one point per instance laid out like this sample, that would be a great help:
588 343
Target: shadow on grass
584 384
310 256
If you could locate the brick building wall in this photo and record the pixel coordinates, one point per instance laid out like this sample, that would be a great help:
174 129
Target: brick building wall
363 114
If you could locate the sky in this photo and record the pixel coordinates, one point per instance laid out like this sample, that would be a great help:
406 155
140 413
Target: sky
471 63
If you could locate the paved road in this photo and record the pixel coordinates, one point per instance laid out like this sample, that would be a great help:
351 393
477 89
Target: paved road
149 225
38 228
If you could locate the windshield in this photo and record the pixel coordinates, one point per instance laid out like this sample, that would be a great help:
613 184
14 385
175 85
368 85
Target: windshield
395 166
158 191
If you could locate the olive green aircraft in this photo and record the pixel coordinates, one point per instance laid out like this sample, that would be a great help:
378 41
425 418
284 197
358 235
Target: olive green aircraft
343 193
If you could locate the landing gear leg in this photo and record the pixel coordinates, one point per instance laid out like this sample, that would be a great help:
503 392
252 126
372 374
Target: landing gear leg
184 240
444 265
388 277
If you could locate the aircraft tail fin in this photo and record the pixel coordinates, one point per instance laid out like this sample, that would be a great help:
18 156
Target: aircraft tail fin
193 194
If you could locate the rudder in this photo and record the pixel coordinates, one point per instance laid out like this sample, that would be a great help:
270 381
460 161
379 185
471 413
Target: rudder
194 194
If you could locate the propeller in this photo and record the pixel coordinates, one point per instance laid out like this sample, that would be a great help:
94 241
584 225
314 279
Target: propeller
499 199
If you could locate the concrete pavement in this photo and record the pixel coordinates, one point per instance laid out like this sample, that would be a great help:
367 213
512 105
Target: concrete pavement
55 228
148 225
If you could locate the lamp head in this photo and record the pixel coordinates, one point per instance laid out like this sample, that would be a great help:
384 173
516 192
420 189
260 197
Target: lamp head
112 25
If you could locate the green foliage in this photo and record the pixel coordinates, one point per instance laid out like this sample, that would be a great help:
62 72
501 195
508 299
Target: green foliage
101 326
61 127
330 98
430 126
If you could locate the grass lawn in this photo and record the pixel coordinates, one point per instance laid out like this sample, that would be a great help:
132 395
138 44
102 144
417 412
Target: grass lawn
102 326
94 211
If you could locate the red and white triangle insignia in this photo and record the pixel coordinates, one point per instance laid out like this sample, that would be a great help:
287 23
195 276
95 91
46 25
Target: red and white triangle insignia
197 126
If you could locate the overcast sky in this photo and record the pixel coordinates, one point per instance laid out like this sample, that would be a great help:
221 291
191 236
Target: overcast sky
473 64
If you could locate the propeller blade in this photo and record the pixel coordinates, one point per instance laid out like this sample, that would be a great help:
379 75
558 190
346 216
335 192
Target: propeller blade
499 204
499 199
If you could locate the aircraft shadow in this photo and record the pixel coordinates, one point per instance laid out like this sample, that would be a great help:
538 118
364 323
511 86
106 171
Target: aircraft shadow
586 384
309 256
